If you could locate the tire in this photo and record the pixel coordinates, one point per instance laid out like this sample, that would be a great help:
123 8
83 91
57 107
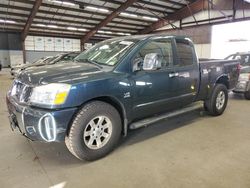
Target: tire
247 95
85 139
217 104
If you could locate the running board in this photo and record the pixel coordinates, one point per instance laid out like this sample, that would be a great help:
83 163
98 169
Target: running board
151 120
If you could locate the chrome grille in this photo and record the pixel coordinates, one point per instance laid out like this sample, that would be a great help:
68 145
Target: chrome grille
20 91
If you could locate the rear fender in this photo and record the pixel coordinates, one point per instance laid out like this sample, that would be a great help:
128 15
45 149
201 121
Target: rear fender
222 79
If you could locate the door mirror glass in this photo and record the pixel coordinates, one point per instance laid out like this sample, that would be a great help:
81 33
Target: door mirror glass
152 61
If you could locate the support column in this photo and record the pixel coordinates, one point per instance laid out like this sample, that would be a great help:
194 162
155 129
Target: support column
24 52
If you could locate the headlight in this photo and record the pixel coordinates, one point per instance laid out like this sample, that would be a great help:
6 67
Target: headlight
244 77
51 94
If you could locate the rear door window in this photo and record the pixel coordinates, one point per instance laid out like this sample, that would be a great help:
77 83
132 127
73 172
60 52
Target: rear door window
185 53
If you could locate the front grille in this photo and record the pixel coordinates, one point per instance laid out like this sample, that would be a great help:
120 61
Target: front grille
20 91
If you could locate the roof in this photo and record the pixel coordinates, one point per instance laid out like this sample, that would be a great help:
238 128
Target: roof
97 19
76 18
148 36
239 53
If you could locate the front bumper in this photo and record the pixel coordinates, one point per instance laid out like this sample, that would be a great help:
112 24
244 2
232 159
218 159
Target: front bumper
242 87
39 124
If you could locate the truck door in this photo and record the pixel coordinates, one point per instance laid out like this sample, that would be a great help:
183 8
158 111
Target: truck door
185 72
152 89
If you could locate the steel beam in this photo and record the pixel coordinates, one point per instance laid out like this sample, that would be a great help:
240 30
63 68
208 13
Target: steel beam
32 15
108 19
192 8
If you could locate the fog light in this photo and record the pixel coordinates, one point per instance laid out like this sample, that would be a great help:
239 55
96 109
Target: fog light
47 128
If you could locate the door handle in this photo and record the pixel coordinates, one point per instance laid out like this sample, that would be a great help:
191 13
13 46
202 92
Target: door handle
174 74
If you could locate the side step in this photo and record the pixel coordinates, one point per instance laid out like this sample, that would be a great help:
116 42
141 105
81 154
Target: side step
151 120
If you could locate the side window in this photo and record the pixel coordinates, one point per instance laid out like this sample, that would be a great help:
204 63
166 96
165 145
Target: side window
185 53
231 57
163 47
245 59
248 59
238 57
166 49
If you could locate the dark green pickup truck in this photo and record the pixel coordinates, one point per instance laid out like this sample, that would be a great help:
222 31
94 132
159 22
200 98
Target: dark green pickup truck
119 84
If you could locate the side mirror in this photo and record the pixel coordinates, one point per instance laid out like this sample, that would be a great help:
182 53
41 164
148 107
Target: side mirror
152 61
137 64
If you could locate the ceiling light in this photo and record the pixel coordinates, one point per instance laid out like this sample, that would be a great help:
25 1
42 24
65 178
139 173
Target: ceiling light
106 32
128 14
68 3
150 18
123 33
72 28
248 1
10 21
97 9
100 31
63 2
52 26
7 21
40 25
81 29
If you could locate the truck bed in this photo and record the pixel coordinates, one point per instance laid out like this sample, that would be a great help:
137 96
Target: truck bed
211 69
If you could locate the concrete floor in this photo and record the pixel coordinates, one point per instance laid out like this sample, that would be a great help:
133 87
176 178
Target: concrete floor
194 150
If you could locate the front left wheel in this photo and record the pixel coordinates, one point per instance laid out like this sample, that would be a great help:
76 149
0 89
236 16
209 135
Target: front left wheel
95 131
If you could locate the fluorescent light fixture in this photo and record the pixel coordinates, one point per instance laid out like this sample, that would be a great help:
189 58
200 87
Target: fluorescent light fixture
40 25
52 26
10 21
72 28
100 31
97 9
123 33
128 14
68 3
7 21
106 32
63 2
81 29
150 18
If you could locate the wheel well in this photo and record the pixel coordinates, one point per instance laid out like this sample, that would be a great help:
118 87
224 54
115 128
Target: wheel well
223 80
113 102
110 101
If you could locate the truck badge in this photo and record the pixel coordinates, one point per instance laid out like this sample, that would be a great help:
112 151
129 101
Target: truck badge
126 95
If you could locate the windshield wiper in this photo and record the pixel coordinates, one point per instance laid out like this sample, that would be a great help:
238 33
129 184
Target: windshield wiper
89 61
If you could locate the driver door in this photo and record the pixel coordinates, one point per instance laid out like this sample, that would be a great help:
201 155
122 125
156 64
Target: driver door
153 88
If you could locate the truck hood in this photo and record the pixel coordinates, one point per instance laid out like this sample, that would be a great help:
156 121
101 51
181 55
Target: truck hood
62 73
25 66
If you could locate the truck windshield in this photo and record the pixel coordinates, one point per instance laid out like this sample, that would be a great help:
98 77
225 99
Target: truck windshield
106 53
